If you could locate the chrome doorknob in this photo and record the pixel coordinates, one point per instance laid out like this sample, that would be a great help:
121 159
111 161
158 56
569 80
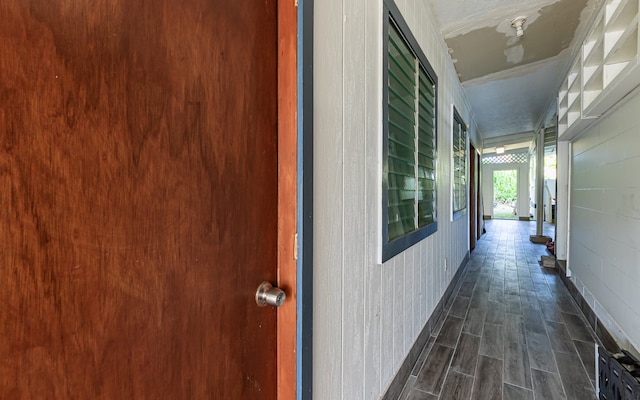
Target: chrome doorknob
267 295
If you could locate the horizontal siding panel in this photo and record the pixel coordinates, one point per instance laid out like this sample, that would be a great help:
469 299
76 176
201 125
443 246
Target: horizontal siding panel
620 228
617 149
590 199
605 218
624 202
587 265
622 286
583 231
624 258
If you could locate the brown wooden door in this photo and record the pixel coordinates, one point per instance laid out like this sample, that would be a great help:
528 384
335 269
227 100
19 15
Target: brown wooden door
479 213
138 178
472 197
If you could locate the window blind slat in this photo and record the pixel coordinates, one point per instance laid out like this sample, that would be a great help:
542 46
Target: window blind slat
399 73
400 53
397 117
401 137
426 152
410 163
459 192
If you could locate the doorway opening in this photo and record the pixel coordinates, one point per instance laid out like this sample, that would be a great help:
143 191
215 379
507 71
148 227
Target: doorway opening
505 194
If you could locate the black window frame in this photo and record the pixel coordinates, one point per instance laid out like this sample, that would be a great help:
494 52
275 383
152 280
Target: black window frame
392 15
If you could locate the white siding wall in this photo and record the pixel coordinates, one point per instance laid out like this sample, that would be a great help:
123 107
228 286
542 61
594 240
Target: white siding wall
605 220
366 315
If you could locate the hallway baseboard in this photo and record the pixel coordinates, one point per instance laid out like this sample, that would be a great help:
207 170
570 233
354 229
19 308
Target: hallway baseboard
592 318
397 384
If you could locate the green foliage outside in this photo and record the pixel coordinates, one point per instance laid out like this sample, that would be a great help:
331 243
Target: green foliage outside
505 194
550 166
505 186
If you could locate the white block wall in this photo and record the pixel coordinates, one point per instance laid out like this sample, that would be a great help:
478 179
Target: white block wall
604 252
366 316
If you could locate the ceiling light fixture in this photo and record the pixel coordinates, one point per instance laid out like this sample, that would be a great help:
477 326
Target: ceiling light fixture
500 150
518 24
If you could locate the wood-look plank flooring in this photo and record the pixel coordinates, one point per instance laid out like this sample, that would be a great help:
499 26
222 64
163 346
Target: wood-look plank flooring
512 331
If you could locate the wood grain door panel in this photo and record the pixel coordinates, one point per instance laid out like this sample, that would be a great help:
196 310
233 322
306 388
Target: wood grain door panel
473 197
138 198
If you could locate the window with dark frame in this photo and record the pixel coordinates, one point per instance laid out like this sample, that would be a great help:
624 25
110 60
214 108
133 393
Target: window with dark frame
459 150
409 176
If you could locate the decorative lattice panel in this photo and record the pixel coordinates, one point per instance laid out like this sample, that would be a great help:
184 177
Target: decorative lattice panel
517 158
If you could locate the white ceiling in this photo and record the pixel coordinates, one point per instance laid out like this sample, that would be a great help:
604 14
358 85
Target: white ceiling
512 81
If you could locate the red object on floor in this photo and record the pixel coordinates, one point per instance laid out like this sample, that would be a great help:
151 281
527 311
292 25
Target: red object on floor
551 247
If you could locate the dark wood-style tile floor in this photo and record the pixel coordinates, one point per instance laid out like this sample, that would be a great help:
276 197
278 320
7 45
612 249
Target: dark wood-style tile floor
512 330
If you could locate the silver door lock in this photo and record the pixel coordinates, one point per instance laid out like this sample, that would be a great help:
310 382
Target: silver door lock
267 295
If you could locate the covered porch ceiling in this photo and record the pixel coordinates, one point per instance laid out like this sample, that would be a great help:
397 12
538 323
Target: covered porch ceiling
510 80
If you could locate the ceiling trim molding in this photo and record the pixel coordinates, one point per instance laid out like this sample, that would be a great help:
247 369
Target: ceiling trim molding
508 139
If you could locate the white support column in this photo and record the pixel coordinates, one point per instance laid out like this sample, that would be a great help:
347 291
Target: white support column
540 183
562 200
